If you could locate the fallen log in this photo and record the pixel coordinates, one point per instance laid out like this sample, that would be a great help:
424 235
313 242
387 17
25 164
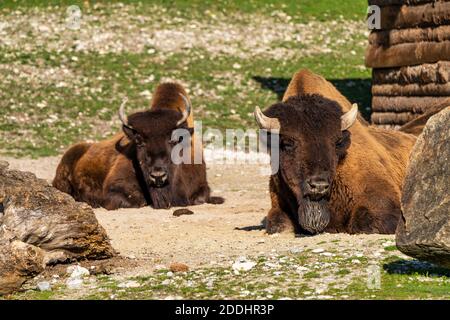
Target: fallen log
19 261
39 226
388 38
414 89
406 104
393 117
384 3
407 54
438 73
421 15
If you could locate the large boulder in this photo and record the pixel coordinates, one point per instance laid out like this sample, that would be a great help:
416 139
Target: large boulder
424 230
40 225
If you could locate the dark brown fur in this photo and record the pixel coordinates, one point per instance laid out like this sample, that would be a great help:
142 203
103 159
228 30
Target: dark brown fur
116 173
365 165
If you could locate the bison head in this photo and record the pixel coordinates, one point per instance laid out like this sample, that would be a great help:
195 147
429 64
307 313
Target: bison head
313 139
152 136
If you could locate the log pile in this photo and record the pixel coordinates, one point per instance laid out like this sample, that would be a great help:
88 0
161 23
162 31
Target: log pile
410 57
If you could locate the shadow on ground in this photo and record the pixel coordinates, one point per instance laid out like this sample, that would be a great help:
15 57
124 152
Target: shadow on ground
411 267
355 89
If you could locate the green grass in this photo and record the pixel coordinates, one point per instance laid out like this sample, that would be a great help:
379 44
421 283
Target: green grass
43 119
300 10
122 74
400 279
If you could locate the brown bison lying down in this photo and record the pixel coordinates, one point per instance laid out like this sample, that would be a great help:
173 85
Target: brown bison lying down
134 168
337 173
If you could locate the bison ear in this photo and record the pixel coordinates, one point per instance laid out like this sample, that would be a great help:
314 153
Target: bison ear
349 118
132 134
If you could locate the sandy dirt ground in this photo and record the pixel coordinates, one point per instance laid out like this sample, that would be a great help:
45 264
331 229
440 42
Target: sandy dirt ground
214 234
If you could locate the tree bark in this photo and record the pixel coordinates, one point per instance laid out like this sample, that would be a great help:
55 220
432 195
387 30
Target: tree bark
422 15
406 104
384 3
438 73
408 90
393 117
388 38
407 54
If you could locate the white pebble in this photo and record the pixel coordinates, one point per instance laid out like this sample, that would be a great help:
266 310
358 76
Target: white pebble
44 286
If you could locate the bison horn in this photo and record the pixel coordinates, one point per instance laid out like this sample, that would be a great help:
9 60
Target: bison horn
264 122
122 116
349 118
187 110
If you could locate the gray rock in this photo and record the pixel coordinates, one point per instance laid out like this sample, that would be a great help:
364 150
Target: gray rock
18 262
77 272
40 225
424 230
129 284
74 283
44 286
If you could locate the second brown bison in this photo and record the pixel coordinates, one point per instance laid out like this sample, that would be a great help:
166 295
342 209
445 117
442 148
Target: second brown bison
134 168
336 173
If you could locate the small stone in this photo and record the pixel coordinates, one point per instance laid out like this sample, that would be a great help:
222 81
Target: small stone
44 286
275 235
165 282
160 267
178 267
318 250
327 254
302 269
129 284
323 297
169 274
243 266
77 272
73 283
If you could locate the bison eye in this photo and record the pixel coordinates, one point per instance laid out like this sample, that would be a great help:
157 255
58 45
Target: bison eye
340 143
287 145
343 141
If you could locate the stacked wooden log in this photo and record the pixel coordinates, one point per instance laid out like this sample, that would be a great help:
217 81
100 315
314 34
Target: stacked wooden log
410 57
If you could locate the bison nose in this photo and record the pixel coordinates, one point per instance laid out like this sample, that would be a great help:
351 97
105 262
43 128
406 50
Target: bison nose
158 177
318 185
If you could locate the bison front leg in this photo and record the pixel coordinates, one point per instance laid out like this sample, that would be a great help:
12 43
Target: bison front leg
115 201
117 197
278 221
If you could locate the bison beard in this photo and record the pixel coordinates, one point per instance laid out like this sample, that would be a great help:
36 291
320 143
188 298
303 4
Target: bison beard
161 197
313 216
